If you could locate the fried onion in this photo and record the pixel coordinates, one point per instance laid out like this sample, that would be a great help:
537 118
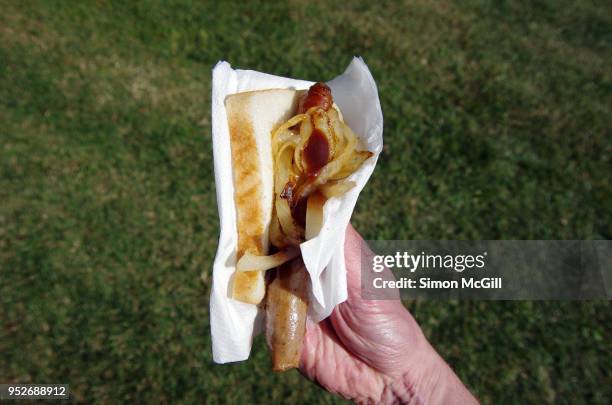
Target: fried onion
293 182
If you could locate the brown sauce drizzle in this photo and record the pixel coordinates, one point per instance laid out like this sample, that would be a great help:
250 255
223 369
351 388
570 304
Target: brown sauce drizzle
299 212
316 152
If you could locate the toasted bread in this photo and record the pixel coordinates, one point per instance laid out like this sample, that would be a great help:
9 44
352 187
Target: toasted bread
252 116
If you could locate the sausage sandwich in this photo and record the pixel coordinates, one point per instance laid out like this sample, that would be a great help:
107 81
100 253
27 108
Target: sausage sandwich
291 151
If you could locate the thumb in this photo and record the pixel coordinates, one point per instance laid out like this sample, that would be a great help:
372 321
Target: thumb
379 332
358 258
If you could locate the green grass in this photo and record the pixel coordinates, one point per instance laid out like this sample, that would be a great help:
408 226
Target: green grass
498 125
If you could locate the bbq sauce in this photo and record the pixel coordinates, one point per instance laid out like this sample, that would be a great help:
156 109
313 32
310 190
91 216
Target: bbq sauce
299 212
316 152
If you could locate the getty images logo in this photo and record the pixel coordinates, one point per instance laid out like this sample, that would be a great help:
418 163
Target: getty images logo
412 262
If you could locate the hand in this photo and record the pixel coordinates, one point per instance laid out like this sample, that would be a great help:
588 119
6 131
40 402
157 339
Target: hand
373 351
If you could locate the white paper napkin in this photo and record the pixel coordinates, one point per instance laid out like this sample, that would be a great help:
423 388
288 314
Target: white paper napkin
233 323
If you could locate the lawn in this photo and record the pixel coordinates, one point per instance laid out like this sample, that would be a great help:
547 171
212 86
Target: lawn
498 125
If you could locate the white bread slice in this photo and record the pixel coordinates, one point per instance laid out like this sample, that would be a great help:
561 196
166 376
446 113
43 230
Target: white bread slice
252 116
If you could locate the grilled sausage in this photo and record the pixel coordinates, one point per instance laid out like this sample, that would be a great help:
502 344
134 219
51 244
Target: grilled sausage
287 294
319 95
286 307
